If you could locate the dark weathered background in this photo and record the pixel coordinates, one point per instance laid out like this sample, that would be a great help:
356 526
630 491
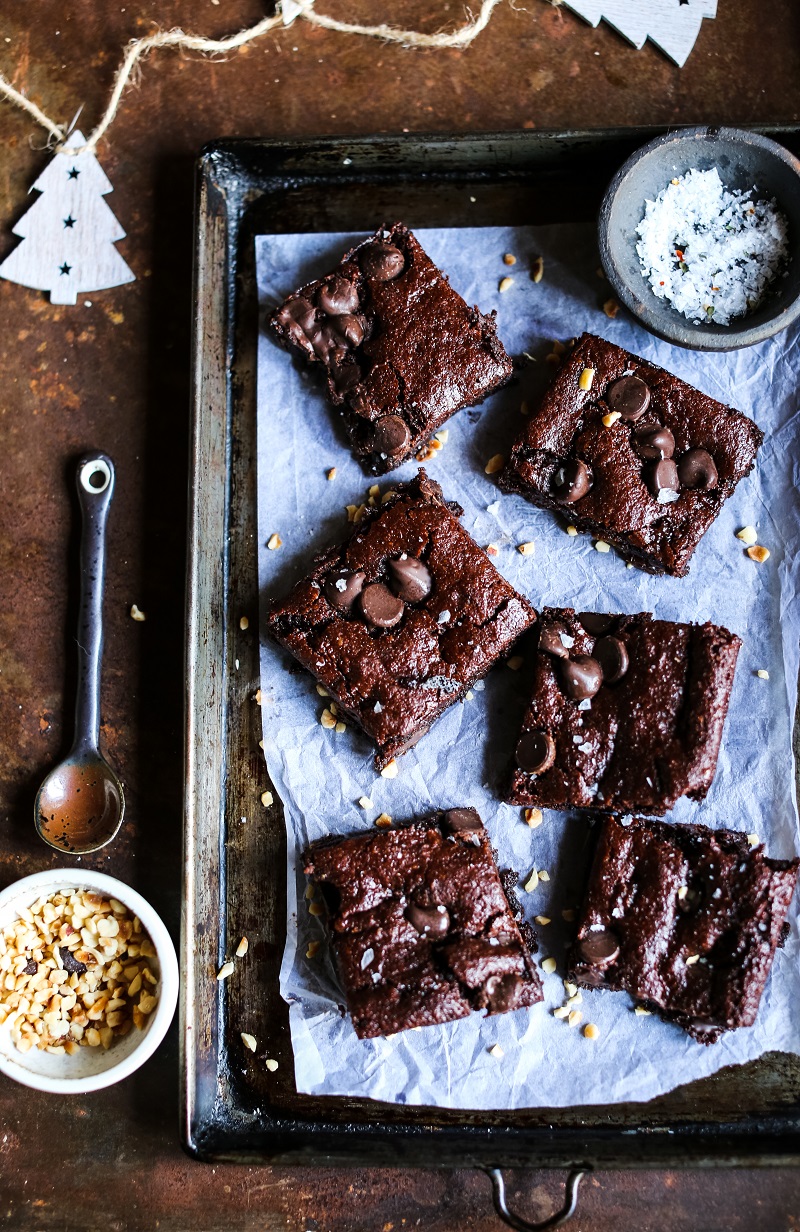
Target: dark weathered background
116 375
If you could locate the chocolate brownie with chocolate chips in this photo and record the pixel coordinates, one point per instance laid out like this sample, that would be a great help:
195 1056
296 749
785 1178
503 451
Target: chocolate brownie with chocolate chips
631 454
401 349
400 621
421 927
626 714
684 918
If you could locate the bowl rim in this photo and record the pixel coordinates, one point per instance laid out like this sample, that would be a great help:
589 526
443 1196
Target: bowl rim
735 336
30 888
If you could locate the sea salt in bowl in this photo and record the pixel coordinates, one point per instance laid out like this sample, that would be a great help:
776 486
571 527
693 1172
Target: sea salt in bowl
745 162
90 1069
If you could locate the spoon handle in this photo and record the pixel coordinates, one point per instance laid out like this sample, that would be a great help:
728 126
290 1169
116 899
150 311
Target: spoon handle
95 478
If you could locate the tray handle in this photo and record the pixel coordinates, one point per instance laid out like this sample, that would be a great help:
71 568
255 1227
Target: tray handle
555 1221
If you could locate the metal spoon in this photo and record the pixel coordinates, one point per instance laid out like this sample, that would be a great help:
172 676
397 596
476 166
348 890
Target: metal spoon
79 806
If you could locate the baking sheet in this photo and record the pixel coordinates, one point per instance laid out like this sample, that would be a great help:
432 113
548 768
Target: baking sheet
320 775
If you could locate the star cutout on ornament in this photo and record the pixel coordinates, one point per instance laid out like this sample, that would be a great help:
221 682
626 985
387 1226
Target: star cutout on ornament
69 222
65 269
74 173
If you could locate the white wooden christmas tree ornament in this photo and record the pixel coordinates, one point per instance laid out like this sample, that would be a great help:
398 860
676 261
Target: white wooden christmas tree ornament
68 234
673 25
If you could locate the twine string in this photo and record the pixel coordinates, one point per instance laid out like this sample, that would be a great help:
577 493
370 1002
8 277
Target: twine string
304 10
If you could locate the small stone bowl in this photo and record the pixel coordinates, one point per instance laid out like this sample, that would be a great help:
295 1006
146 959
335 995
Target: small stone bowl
744 160
91 1069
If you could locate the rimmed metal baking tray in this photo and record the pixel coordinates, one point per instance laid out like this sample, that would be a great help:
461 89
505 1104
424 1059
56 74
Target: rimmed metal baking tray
234 1108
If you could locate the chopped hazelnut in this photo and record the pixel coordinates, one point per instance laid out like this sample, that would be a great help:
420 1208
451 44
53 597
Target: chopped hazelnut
505 284
495 464
532 817
758 553
274 542
537 269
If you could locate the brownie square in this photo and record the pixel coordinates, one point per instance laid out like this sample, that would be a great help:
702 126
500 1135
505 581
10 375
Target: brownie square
651 479
685 919
626 713
401 349
402 619
422 928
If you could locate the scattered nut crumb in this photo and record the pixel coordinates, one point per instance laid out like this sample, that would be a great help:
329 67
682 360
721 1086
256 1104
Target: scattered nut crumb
375 490
468 696
340 727
267 798
505 284
691 959
553 360
762 674
524 408
586 379
611 307
561 1011
682 892
271 1065
323 692
257 698
591 1031
331 474
543 874
443 436
572 530
244 623
558 347
533 880
602 546
509 258
314 908
570 989
532 817
748 534
242 947
526 549
383 821
495 1051
387 496
753 840
549 965
312 948
576 998
641 1012
568 914
137 613
537 269
389 771
575 1016
492 549
494 464
327 720
274 542
515 662
225 970
611 418
758 553
542 919
249 1041
261 744
365 802
311 890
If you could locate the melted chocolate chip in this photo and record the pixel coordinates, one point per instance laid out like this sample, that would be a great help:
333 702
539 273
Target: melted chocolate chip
662 480
571 481
69 963
381 608
342 588
298 318
598 949
410 579
550 640
338 297
581 677
430 921
597 623
612 656
390 435
461 819
630 396
382 262
502 992
652 442
349 328
696 469
536 752
329 345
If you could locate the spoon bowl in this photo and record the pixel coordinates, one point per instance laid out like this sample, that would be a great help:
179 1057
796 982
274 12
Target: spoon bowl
80 804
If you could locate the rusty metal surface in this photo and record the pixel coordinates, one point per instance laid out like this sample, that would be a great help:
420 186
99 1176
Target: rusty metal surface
116 375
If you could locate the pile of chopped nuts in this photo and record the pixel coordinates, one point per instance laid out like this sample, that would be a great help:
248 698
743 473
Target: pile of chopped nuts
76 969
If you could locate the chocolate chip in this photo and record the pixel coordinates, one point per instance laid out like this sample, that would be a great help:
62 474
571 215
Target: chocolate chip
329 345
349 328
462 819
390 436
581 677
612 656
69 963
338 296
630 396
696 469
298 318
430 921
597 623
662 480
536 752
550 640
598 949
382 262
652 442
571 481
409 578
502 992
343 587
381 608
31 967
